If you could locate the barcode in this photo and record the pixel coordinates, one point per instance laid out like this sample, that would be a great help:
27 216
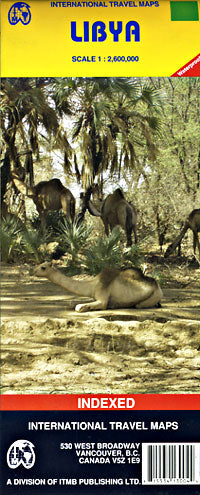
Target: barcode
171 464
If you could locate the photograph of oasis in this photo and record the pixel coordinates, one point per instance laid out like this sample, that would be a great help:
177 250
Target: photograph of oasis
100 207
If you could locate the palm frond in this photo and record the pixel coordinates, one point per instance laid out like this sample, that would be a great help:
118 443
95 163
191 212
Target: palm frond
77 128
103 253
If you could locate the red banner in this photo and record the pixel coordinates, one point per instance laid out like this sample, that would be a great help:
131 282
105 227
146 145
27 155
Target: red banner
191 69
62 402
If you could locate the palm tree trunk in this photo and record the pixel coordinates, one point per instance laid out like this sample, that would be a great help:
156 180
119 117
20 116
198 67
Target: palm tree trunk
5 173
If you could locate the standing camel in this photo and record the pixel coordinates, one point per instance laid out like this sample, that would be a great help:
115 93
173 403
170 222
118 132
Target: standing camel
115 210
48 195
112 288
193 223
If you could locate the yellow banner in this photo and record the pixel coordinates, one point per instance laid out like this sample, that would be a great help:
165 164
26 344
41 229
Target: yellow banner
95 38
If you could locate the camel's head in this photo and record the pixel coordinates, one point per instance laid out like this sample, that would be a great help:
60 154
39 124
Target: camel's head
118 193
42 270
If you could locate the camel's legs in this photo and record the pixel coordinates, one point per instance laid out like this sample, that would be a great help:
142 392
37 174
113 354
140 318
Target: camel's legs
67 207
91 306
196 242
135 234
106 227
128 237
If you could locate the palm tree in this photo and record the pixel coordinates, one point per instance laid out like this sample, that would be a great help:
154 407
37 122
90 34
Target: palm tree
111 115
108 119
27 114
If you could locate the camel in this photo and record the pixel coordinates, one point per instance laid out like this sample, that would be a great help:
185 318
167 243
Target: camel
193 223
48 195
115 210
111 288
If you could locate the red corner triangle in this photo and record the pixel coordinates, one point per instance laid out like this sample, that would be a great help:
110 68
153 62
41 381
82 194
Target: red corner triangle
191 69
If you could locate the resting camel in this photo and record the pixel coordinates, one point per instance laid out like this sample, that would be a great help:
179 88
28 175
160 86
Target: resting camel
48 195
112 288
193 223
115 210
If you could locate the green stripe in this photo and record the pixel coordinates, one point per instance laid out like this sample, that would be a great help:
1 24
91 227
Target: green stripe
184 11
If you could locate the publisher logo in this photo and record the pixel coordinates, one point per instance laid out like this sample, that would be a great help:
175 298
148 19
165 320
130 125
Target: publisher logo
19 12
21 452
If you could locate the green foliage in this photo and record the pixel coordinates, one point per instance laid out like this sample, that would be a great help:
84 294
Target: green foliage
156 273
11 230
33 245
111 116
20 243
72 237
105 252
133 256
27 244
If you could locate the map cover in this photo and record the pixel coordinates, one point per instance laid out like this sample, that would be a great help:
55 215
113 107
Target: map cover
100 249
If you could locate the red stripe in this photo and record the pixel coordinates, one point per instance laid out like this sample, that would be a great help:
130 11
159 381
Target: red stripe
191 69
153 402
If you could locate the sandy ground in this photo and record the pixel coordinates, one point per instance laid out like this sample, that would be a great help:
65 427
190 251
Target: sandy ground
48 348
